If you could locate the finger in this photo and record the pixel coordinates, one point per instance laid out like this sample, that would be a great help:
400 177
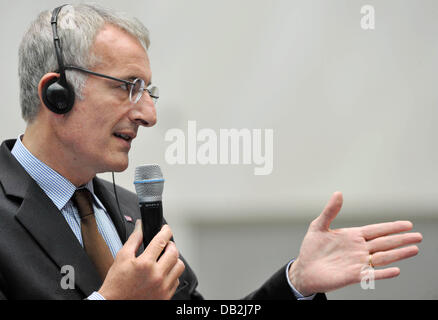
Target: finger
391 242
158 243
173 289
388 257
373 231
329 213
380 274
169 258
172 279
176 271
134 241
386 273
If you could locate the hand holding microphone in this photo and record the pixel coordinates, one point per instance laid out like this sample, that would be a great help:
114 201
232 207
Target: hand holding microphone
153 274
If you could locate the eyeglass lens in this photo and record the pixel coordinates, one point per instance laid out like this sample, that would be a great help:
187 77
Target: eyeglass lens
138 89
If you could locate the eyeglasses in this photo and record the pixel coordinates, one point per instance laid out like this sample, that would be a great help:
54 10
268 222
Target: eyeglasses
136 87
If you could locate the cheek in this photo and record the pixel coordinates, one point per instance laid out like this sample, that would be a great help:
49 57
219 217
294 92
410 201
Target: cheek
92 122
88 131
94 116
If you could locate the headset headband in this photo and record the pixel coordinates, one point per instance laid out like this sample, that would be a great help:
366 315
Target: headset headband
57 42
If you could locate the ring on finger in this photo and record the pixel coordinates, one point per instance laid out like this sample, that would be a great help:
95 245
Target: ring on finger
370 261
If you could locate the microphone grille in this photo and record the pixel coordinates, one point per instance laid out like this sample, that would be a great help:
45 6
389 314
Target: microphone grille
149 183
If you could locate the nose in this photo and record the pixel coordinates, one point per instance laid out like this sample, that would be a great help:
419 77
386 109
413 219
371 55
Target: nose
143 113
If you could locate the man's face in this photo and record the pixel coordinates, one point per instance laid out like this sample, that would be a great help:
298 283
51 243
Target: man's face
89 130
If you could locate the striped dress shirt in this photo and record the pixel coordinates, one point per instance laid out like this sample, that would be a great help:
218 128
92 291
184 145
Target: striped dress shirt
60 191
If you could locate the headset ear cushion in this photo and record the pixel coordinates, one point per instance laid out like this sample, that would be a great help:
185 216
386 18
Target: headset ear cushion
58 98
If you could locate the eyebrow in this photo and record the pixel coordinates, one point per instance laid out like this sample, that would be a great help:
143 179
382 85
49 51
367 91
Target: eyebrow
133 77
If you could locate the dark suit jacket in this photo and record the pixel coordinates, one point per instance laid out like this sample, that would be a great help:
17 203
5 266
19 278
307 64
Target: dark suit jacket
36 242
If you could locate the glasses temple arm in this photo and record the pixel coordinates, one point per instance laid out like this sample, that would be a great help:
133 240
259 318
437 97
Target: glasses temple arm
98 74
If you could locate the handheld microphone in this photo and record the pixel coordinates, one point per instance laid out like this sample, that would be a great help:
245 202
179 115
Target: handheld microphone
149 185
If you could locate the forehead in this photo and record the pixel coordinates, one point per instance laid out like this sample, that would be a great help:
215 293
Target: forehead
120 54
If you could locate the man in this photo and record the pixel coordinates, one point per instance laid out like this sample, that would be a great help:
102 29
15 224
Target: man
85 82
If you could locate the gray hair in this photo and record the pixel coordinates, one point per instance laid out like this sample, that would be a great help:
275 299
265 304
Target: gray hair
78 26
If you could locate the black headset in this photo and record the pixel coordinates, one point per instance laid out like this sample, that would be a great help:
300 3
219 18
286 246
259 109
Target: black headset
58 95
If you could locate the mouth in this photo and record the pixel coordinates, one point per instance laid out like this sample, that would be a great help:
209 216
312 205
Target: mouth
126 136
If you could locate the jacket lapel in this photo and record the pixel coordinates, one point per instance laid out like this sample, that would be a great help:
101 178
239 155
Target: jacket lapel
40 217
48 227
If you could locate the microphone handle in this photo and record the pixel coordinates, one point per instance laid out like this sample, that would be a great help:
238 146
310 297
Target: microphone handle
152 220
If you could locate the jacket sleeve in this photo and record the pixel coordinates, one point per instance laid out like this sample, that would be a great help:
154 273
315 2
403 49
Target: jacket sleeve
277 288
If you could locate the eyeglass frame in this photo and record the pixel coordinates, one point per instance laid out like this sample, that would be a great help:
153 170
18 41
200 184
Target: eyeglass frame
129 83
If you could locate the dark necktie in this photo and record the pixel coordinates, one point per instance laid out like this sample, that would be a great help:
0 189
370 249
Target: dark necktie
94 244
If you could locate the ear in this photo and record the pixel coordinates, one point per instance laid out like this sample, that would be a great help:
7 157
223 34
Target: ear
43 82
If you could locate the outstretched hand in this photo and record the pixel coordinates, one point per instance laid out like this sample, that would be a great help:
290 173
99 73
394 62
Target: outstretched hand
332 259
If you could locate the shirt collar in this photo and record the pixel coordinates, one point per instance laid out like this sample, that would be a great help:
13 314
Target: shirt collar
55 186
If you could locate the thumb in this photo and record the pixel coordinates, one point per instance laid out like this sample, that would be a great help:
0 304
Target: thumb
330 212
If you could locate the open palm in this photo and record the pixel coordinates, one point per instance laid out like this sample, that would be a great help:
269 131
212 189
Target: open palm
332 259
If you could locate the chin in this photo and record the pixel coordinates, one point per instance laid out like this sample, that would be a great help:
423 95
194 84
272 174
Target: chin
119 165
